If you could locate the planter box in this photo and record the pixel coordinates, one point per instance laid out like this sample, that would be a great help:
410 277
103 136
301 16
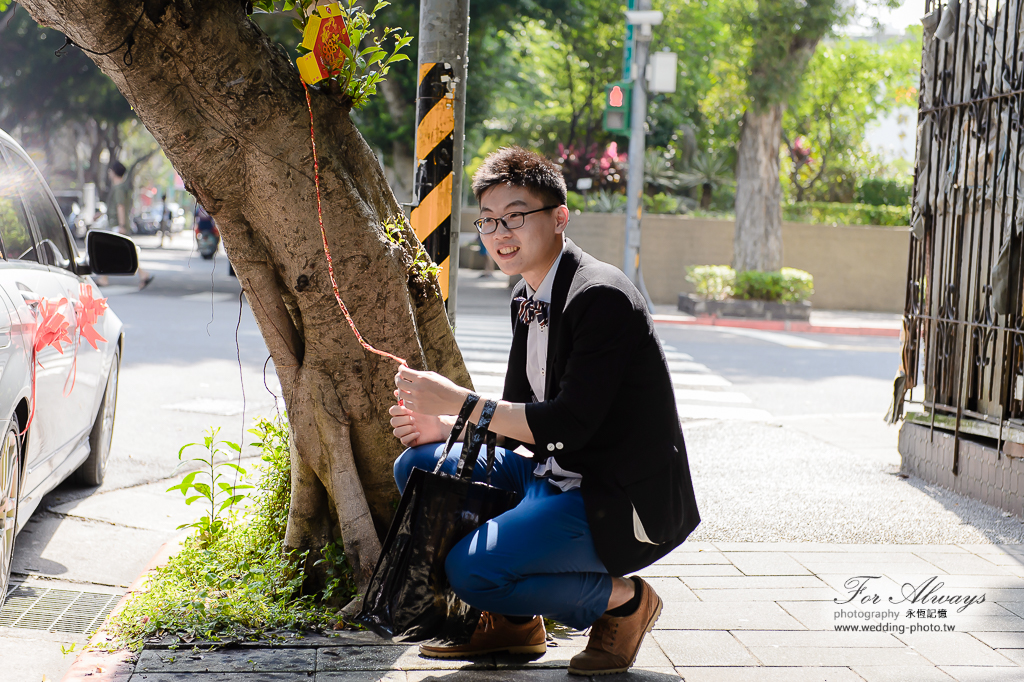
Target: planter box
760 310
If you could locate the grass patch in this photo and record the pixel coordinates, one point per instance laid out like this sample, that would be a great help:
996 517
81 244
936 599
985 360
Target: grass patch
239 583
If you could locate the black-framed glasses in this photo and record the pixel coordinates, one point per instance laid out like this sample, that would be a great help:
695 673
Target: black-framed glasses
511 221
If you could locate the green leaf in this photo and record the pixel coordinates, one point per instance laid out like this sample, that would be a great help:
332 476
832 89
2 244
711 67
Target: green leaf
234 446
379 6
229 502
233 466
202 489
398 58
190 500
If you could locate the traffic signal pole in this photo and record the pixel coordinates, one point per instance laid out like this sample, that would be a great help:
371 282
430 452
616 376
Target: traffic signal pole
637 146
440 131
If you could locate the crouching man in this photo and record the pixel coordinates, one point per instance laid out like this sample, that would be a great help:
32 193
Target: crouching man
592 443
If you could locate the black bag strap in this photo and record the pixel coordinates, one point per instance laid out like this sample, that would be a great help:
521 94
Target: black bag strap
460 422
492 441
476 439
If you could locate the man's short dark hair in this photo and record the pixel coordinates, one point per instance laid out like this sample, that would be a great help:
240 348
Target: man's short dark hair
117 168
520 167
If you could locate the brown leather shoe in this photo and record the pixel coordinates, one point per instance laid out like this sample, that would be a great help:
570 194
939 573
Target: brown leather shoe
614 642
494 634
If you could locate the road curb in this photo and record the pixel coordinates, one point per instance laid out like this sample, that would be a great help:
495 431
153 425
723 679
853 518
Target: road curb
777 326
97 665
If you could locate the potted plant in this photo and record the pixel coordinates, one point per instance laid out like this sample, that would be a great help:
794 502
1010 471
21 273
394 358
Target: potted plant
723 292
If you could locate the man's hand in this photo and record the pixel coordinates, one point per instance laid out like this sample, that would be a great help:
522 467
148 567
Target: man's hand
428 393
415 429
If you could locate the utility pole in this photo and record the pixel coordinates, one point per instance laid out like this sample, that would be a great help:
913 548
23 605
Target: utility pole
440 131
640 21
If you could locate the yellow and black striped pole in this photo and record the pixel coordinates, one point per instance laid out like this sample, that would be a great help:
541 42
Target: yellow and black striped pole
432 185
443 43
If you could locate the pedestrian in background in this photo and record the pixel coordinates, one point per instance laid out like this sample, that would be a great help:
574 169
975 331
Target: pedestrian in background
164 226
119 201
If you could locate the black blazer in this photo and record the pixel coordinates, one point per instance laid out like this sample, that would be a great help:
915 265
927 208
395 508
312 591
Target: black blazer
609 411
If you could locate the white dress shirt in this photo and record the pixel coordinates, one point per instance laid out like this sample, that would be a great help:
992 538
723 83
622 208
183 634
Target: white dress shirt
536 373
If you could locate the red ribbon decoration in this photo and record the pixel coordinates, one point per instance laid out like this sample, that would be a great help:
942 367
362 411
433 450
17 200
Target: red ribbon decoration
327 250
89 310
52 330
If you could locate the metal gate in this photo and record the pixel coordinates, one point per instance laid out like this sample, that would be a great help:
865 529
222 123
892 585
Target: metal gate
963 327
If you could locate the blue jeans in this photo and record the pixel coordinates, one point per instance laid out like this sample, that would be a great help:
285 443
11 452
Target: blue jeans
535 559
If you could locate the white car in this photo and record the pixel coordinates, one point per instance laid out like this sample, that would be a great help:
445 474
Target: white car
60 347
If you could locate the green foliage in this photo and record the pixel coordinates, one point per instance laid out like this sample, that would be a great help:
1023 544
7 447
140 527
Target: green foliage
421 267
662 203
784 286
784 35
339 587
713 282
883 192
207 484
243 583
846 214
605 201
718 282
846 86
364 67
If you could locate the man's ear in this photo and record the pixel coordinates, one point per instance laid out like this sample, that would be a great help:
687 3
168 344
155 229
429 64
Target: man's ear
561 219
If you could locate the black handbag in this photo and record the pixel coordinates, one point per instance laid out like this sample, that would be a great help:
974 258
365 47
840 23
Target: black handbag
408 595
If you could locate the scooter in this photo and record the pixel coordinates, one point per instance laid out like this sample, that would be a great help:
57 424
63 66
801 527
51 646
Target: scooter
207 241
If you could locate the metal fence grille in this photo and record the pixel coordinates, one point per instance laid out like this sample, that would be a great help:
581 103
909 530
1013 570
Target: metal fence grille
963 334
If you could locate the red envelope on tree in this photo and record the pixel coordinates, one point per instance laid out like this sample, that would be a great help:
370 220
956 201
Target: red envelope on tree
324 34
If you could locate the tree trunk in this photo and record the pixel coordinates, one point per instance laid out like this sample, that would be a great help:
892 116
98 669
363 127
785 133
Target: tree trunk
705 196
758 241
402 161
228 109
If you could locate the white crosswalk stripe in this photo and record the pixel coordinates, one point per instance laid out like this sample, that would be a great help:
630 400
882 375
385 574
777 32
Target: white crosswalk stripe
700 393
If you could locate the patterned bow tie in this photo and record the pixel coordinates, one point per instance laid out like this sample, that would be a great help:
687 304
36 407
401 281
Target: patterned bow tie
530 309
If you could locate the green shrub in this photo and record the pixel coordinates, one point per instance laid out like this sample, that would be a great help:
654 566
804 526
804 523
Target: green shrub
783 286
663 203
576 201
882 192
711 281
240 582
846 214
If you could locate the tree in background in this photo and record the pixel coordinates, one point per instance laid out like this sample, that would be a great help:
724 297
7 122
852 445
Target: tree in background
848 84
783 35
65 106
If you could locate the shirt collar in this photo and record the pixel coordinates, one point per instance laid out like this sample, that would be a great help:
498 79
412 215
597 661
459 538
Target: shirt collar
543 292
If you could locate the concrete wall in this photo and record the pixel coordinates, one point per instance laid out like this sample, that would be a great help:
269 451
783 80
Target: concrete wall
855 267
985 474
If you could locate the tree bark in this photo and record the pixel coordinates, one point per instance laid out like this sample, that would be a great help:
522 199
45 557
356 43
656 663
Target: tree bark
758 241
229 110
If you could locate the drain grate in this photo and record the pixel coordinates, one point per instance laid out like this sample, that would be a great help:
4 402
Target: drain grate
52 610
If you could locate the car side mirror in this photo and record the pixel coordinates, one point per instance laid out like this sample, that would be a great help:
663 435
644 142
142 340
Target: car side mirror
111 254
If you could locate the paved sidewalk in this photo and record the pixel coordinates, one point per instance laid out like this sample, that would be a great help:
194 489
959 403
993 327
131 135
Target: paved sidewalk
734 612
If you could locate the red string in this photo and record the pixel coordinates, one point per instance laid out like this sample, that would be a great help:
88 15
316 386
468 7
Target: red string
327 250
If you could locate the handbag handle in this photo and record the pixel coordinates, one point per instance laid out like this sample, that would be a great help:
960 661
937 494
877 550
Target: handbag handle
460 422
475 438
